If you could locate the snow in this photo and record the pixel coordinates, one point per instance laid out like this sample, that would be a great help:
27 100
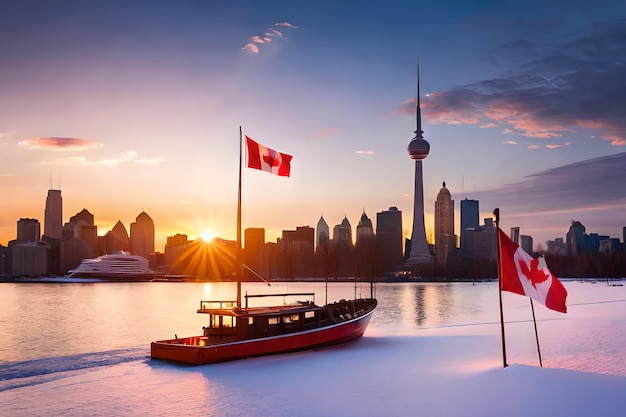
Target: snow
451 370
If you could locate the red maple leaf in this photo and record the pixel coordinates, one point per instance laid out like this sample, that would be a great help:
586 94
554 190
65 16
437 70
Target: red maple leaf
534 275
271 160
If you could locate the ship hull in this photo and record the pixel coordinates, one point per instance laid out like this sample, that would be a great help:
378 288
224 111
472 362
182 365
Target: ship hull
190 350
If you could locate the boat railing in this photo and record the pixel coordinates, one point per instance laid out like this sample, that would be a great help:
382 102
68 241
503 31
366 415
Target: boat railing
285 296
206 305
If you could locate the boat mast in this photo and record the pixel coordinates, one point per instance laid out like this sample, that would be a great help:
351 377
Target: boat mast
239 260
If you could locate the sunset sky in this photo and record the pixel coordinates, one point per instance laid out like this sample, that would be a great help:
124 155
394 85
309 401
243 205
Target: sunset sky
132 106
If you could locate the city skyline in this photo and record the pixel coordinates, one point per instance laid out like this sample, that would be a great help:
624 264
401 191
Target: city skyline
132 107
158 246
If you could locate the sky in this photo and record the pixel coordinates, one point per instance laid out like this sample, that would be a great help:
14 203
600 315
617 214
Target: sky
136 106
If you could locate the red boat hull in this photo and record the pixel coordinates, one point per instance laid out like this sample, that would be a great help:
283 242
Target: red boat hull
198 355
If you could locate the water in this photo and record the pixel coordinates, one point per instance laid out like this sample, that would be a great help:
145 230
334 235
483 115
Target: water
83 349
68 319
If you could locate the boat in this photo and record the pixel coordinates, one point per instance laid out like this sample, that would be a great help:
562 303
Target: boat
239 330
116 266
238 333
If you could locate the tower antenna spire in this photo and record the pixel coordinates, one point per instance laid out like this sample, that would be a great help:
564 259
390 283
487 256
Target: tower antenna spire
419 133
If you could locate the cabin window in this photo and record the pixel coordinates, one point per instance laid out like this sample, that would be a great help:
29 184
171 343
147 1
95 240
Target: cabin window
309 314
287 319
228 321
250 321
272 320
222 321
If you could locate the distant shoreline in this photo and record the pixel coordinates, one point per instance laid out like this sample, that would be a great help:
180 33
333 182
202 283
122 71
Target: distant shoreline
184 279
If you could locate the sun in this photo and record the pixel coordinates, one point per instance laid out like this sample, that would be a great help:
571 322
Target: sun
207 236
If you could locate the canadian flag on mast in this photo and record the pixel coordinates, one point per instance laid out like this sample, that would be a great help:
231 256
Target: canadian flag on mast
522 274
266 159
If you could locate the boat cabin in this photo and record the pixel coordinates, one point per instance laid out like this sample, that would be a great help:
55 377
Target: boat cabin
226 320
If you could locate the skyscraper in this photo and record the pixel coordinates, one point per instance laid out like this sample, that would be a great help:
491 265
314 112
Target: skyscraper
254 239
142 236
526 242
389 238
364 230
323 233
27 230
53 230
444 225
115 239
53 215
79 240
418 149
575 238
469 222
342 233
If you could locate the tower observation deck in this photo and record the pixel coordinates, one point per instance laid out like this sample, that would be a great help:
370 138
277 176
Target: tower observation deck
418 150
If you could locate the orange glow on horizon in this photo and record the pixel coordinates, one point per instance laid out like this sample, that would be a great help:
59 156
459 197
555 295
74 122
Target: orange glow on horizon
215 260
207 236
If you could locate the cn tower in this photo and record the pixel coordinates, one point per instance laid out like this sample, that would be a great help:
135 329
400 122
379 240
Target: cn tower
418 149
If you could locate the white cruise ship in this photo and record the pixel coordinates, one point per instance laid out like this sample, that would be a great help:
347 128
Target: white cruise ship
117 266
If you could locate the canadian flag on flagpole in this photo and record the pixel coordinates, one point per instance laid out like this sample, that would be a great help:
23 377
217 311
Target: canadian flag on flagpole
266 159
522 274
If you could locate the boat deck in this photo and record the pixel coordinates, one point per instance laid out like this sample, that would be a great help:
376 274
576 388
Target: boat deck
236 333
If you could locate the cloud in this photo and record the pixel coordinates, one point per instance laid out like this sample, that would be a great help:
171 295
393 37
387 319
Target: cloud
128 156
274 32
595 186
258 39
365 152
286 24
330 131
269 34
575 87
510 142
252 48
150 161
60 144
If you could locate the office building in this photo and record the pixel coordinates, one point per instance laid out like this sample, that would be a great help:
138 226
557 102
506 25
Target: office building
53 215
114 240
342 233
79 240
142 236
30 259
28 230
323 233
389 238
364 230
526 243
469 223
296 248
575 239
174 246
445 241
254 239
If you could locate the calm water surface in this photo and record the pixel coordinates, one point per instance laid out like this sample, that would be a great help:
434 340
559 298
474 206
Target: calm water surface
50 320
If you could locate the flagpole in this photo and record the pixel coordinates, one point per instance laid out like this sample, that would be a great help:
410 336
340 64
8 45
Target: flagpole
532 308
239 260
496 214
